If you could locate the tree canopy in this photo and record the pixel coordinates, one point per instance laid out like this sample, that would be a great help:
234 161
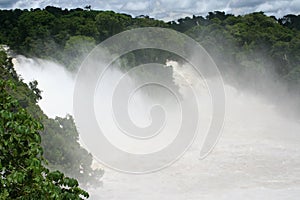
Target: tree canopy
59 137
22 166
253 41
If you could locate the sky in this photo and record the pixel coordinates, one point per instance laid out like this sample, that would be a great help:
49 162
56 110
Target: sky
168 9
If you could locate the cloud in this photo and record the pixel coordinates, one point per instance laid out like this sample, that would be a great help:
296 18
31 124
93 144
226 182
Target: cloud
242 4
169 9
279 8
136 6
7 3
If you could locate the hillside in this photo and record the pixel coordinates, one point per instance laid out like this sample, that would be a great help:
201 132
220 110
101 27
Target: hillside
253 52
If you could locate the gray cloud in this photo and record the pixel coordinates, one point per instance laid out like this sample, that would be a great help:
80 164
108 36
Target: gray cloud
169 9
241 4
7 3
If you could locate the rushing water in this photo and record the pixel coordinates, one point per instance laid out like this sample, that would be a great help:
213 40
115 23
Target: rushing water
257 157
55 82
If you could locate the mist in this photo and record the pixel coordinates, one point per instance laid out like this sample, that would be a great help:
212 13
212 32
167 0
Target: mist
257 156
56 83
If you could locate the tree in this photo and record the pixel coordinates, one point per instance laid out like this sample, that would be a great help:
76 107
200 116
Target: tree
36 92
23 174
88 7
291 21
59 136
108 24
63 152
76 48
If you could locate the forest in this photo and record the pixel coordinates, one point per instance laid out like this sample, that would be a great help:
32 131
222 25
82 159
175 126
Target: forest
36 148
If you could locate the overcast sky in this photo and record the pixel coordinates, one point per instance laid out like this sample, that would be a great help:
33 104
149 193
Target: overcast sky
168 9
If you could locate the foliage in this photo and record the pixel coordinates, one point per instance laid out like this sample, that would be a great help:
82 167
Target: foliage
76 49
253 44
250 47
68 35
59 136
62 151
35 91
52 32
23 175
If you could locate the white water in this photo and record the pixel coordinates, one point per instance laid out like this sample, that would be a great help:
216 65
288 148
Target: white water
257 157
56 83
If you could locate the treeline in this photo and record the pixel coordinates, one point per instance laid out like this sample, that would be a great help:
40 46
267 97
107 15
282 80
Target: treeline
249 46
253 43
64 35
